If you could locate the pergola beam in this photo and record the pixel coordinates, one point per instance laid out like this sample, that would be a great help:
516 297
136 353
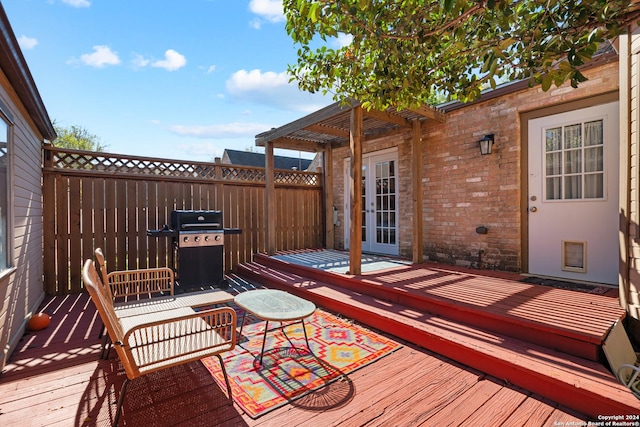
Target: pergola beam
270 207
298 144
416 184
327 159
355 192
388 117
430 113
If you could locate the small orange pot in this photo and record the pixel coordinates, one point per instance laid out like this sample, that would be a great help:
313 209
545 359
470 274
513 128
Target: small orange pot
38 321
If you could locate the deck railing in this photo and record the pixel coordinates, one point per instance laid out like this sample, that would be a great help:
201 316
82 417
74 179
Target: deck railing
110 201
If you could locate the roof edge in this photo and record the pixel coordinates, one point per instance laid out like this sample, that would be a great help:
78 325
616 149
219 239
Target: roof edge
516 86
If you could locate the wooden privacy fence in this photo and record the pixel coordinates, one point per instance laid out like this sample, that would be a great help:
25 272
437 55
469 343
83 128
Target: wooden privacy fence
110 201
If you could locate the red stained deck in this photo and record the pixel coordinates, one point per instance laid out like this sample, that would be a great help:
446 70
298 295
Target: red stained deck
448 372
543 339
56 379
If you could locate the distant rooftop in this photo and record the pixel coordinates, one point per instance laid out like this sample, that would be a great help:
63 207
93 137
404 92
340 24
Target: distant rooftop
248 158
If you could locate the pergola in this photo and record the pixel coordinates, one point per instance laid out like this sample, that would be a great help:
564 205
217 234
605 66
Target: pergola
338 125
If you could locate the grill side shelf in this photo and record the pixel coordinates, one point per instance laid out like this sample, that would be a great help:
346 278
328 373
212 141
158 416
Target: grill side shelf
232 231
162 233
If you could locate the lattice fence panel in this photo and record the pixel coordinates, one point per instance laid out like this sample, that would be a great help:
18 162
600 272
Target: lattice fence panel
110 201
119 164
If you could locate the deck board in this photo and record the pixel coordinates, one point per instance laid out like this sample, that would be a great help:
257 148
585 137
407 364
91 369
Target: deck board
412 384
532 412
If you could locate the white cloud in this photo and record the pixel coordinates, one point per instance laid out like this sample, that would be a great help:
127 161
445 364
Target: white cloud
211 69
343 40
226 130
139 61
172 61
101 56
244 81
27 42
256 24
270 10
77 3
270 88
205 151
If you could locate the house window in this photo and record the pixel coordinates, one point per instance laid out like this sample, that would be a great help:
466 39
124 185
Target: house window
574 161
5 218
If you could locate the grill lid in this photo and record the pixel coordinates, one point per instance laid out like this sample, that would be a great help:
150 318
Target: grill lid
195 220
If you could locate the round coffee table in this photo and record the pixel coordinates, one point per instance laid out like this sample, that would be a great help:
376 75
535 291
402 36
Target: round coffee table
277 306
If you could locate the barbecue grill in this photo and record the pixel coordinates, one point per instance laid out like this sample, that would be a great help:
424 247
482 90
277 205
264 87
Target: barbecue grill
198 248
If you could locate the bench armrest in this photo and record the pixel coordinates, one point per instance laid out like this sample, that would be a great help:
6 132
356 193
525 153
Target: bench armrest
160 344
628 378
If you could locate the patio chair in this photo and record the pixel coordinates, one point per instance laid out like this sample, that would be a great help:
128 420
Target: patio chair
127 285
160 340
145 291
622 359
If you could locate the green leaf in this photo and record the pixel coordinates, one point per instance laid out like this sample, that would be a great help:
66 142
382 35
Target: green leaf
547 80
314 12
406 49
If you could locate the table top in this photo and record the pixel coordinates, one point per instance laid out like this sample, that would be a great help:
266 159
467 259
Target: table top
275 305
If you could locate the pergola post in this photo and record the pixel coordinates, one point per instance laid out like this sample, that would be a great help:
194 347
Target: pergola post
355 191
416 171
327 158
270 205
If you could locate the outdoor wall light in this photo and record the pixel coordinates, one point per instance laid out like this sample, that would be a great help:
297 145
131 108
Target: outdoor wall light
486 144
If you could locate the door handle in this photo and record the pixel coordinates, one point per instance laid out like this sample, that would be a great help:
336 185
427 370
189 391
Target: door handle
533 209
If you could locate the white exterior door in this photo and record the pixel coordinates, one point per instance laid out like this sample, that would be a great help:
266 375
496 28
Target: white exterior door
379 203
573 195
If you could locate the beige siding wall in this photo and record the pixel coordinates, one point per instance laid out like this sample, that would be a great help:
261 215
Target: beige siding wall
630 185
21 292
462 189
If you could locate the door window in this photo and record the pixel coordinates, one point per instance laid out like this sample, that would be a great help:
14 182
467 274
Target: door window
364 203
574 161
386 202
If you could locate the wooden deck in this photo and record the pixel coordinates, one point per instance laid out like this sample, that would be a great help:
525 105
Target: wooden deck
572 322
55 378
543 339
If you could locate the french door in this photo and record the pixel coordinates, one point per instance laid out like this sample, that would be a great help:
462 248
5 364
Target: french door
379 203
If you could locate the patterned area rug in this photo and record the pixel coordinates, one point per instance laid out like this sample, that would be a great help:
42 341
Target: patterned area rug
288 373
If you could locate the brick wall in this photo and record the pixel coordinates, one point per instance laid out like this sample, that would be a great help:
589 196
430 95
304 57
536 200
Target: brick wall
462 189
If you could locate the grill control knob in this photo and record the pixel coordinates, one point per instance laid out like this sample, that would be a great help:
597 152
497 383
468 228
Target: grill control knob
185 239
217 238
197 238
206 238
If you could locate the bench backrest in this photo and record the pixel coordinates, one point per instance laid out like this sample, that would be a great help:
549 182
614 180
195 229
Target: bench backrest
128 285
103 302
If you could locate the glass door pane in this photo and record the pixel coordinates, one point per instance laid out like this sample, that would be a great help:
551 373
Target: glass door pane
365 209
385 202
574 161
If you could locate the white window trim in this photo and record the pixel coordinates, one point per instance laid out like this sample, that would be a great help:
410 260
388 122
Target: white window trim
7 117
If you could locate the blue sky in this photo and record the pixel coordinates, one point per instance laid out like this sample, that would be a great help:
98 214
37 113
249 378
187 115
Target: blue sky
177 79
